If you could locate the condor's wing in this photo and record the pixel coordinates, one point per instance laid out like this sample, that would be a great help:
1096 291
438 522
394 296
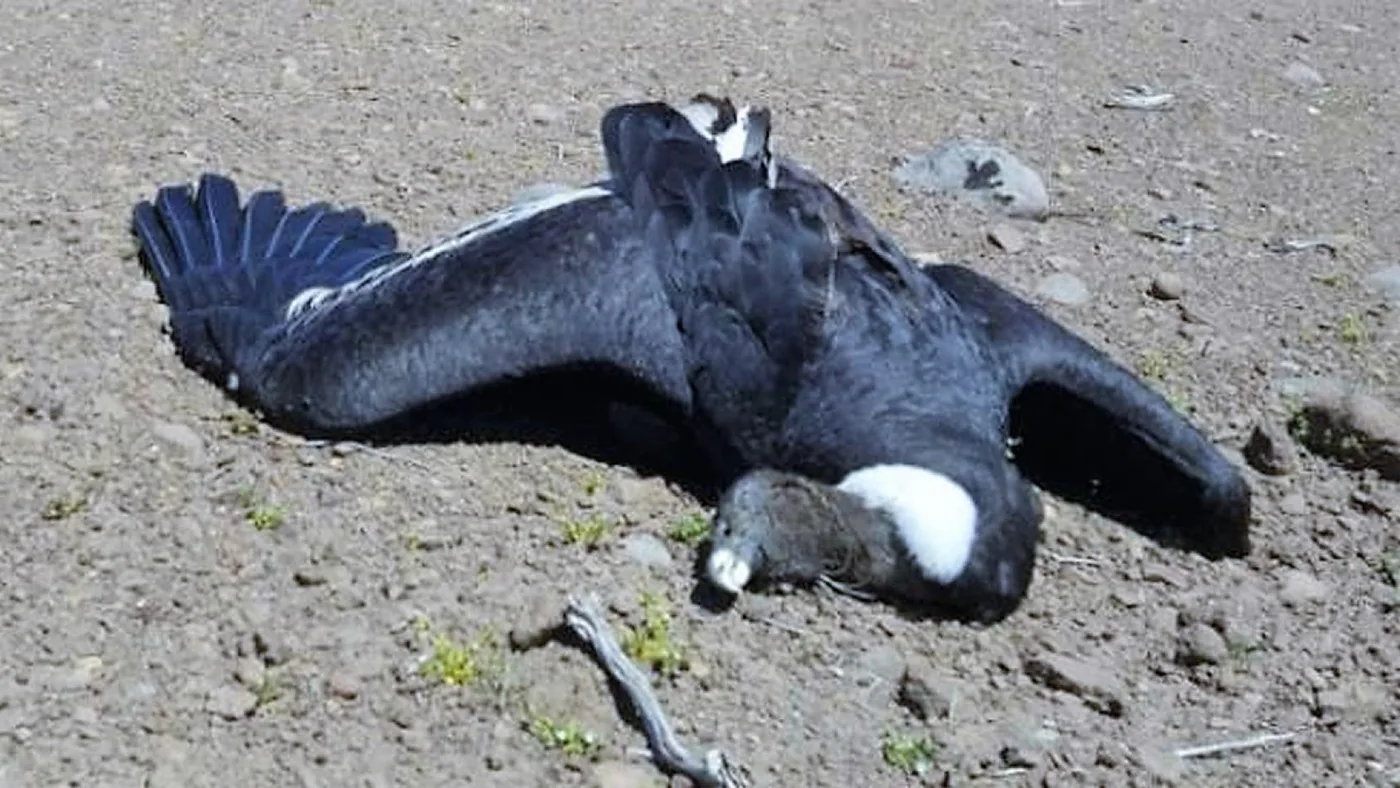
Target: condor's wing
316 317
1093 432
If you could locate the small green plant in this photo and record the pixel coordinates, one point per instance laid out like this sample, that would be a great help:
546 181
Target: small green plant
262 515
690 529
1153 365
1389 566
1179 401
910 754
593 483
267 691
1330 280
569 738
651 644
241 422
453 663
587 531
63 508
1351 329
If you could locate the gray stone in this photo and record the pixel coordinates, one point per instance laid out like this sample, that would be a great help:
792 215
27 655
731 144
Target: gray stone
1303 75
1095 684
1063 288
1007 238
1297 588
647 550
1386 281
179 436
1350 427
1167 286
1200 644
231 703
1270 450
929 694
981 173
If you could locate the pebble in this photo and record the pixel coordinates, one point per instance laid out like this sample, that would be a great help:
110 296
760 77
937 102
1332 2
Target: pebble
231 703
647 550
179 436
250 672
1095 684
1270 450
344 685
881 663
1303 75
928 694
1386 281
1062 262
544 114
1297 588
1294 504
1201 644
982 173
620 774
1007 238
1357 700
1167 286
1063 288
1350 427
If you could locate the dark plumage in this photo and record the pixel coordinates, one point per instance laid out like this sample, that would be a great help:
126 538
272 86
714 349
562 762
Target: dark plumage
819 369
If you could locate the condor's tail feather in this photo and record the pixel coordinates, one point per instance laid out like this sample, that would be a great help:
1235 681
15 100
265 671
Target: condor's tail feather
229 273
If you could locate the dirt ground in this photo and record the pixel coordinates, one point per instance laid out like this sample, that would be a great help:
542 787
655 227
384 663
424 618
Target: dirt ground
192 599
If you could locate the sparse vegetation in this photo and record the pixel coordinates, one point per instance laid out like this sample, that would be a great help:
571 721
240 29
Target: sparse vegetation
241 422
1153 365
652 644
263 515
569 738
267 691
587 530
593 483
690 529
1351 329
456 663
63 508
910 754
1389 566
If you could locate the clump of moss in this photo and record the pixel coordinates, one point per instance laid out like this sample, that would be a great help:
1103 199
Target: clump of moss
652 643
690 529
569 738
913 755
63 508
453 662
263 515
587 530
1351 329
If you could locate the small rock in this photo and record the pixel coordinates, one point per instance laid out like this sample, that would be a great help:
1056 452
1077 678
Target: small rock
250 672
143 290
1386 281
544 114
1167 286
1270 450
1201 644
1357 700
1095 684
981 173
930 695
1303 75
1007 238
1297 588
1293 504
620 774
179 436
1162 765
309 576
880 663
231 703
1063 288
1352 428
647 550
344 685
1062 262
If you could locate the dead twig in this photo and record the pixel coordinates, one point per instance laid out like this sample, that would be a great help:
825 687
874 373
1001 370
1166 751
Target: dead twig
667 752
1262 740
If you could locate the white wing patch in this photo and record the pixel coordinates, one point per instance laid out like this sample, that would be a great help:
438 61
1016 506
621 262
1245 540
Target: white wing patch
933 515
314 299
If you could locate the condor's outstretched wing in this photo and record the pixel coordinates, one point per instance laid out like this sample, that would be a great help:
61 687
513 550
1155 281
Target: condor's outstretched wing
317 318
1094 432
